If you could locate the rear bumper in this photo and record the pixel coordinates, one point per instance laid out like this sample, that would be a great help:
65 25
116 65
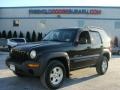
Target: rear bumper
23 67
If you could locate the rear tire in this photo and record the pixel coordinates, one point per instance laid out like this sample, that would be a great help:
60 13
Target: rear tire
102 66
54 75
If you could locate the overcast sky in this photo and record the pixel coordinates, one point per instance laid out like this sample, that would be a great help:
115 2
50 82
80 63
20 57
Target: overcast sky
14 3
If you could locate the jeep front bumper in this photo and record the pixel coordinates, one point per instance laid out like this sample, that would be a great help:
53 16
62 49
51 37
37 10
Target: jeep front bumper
32 68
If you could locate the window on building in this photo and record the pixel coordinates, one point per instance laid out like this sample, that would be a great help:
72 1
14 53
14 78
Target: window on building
117 25
15 23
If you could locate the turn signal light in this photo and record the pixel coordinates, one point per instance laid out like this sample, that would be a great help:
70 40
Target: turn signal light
33 65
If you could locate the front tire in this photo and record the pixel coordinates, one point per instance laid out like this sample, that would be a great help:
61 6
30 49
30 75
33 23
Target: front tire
54 75
102 66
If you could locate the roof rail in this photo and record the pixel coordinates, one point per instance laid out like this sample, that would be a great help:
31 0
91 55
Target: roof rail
93 27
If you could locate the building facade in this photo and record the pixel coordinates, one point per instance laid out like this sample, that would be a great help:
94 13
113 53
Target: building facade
45 18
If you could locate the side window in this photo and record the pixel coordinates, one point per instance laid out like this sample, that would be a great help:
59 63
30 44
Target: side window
84 38
104 36
95 38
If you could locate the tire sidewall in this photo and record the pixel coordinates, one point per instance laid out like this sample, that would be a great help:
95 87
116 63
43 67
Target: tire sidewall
99 66
104 59
52 65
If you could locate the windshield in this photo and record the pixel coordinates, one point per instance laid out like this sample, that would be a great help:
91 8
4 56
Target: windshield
60 35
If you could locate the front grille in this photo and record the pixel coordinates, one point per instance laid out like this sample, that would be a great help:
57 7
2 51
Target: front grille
18 55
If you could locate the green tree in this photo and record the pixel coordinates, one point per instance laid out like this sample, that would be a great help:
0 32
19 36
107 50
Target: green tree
9 34
39 36
21 35
28 37
15 34
33 36
4 34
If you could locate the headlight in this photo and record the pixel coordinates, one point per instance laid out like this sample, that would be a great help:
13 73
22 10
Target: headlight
32 54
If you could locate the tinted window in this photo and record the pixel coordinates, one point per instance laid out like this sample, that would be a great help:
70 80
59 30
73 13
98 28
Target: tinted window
84 38
104 36
18 40
95 38
60 35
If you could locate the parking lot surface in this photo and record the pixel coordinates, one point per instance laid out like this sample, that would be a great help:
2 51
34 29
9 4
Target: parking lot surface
84 79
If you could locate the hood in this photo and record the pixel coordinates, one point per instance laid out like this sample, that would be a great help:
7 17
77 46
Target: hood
42 45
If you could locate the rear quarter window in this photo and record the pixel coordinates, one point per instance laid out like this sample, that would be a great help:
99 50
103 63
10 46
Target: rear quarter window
105 37
95 38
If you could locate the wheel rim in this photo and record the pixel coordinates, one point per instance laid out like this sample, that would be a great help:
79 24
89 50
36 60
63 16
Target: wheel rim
104 65
56 75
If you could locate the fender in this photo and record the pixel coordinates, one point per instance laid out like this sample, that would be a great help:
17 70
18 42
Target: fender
44 59
107 51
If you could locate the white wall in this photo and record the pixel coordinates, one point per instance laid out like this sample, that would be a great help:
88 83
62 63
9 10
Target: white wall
7 15
44 25
39 25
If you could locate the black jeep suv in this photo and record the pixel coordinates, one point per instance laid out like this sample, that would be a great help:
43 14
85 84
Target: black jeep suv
60 52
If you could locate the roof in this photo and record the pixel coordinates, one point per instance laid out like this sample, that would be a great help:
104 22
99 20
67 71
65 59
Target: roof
86 28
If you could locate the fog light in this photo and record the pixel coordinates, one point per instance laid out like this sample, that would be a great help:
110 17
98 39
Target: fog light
33 65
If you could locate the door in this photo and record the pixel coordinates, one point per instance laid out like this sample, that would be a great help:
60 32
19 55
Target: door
84 54
82 51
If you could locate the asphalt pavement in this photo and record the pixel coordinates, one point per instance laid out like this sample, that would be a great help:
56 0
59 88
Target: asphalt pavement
84 79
